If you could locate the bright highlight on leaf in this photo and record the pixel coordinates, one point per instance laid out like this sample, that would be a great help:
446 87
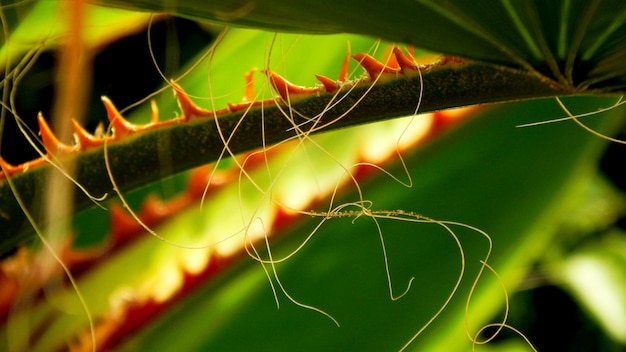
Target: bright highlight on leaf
597 279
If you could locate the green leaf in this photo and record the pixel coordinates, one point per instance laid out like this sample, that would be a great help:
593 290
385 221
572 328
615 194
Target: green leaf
578 44
33 25
510 182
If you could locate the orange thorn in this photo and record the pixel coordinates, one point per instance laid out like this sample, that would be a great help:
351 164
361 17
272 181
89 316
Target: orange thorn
392 61
154 109
332 85
8 168
50 141
188 107
286 88
11 170
238 106
405 62
411 51
374 67
85 140
123 225
451 60
329 84
99 132
249 93
343 74
121 127
248 97
201 175
153 209
243 106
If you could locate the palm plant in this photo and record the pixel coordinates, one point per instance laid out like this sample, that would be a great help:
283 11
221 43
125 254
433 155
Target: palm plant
419 226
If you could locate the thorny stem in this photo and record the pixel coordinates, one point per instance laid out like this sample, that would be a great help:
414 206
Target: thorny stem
135 160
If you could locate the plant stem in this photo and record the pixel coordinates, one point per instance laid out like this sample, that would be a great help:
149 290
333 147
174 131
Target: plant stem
136 160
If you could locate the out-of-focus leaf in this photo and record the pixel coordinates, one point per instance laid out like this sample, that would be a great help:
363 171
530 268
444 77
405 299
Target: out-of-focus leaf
588 256
596 276
579 44
509 182
43 23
